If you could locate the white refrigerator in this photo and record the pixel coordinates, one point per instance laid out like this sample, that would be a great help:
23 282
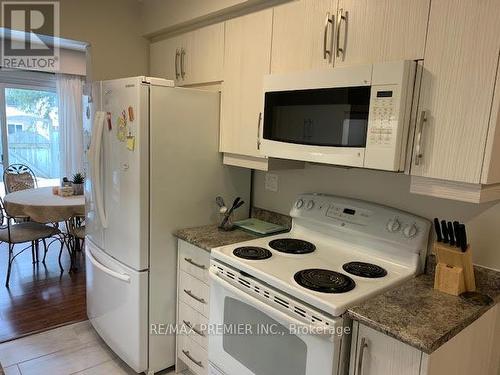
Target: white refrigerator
153 167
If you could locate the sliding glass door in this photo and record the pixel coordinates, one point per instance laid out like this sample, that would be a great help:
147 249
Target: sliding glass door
30 130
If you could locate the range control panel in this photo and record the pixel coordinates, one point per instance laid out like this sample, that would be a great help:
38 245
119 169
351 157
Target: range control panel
371 219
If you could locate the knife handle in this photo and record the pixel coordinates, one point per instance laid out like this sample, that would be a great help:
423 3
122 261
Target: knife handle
458 234
451 233
444 229
463 235
437 228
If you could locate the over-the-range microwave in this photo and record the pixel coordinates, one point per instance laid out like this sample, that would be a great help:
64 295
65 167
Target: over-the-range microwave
352 116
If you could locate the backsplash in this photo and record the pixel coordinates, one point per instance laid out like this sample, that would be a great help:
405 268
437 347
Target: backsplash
387 188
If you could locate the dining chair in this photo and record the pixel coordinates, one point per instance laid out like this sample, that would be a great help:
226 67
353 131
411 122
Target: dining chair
13 233
76 235
19 177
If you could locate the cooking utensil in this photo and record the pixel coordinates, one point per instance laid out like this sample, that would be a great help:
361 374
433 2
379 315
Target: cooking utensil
437 228
444 230
458 236
236 204
463 236
220 201
451 233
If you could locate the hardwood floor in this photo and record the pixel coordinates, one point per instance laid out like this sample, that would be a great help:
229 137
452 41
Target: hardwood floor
39 297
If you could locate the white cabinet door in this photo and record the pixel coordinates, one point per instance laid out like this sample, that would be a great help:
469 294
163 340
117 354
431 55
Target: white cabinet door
378 354
164 58
382 30
461 60
246 60
202 55
299 30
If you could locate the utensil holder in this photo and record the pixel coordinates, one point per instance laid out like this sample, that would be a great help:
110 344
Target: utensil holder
454 270
228 224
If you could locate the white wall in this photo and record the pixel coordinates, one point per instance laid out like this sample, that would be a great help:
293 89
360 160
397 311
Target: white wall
483 221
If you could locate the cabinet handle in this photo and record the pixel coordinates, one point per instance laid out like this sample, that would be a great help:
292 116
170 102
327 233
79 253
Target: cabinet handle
183 72
190 294
362 348
259 121
198 363
341 16
326 52
177 55
190 261
418 145
190 326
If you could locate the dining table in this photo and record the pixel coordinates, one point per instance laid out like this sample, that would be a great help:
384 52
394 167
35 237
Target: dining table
43 206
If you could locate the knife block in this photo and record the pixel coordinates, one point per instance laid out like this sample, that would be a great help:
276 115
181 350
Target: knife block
454 270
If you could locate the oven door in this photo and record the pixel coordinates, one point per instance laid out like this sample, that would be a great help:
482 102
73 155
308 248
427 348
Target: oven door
278 351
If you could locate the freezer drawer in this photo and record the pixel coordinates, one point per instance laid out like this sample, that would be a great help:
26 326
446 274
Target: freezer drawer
117 302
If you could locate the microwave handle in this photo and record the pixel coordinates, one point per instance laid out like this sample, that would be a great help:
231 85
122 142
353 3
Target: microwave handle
418 145
258 130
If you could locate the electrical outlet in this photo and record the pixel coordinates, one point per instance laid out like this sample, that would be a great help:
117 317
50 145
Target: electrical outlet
271 182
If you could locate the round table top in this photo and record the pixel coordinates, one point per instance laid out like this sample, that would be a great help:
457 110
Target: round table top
43 206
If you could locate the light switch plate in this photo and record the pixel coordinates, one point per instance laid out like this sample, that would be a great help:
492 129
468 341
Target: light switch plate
271 183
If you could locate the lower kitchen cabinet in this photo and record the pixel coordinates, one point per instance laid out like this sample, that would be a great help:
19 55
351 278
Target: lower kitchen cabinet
475 350
192 309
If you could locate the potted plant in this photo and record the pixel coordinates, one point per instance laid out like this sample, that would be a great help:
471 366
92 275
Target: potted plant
77 183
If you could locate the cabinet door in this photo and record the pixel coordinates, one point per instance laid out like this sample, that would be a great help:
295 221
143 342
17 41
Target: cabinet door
164 55
246 60
379 354
202 60
299 30
460 65
382 30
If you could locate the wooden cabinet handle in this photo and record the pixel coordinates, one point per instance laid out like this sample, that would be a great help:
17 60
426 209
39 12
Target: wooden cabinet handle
190 326
198 363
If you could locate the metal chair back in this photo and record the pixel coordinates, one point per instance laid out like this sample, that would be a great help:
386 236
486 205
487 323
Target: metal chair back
18 177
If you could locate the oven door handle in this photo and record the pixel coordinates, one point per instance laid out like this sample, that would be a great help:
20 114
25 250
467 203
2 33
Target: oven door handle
277 314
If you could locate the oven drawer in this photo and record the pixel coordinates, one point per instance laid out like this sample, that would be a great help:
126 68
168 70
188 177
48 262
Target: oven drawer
194 260
194 293
193 355
195 323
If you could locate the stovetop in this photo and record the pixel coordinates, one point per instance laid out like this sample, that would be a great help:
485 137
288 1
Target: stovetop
334 246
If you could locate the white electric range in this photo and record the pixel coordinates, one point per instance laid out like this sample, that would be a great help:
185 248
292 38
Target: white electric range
338 252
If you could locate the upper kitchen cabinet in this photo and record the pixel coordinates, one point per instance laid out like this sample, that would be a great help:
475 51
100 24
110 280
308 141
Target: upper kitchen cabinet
192 58
303 35
247 56
164 58
370 31
458 133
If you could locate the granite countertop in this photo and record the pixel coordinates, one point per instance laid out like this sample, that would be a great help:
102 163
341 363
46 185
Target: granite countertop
417 314
208 237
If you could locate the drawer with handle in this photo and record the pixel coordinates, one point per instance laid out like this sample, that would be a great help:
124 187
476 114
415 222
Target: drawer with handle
194 293
194 260
193 355
194 324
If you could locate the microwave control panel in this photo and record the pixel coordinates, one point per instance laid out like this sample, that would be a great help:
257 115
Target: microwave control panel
382 128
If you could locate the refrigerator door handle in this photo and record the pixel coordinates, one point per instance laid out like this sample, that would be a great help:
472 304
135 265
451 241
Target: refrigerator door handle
110 272
100 118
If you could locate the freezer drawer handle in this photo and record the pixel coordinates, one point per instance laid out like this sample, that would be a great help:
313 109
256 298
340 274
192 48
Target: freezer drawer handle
190 326
116 275
190 261
190 294
198 363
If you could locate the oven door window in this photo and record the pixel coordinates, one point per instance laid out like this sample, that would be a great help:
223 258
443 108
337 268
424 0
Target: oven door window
275 351
336 117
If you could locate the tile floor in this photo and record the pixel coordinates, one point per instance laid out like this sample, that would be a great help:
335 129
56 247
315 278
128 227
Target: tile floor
72 349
